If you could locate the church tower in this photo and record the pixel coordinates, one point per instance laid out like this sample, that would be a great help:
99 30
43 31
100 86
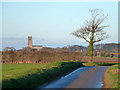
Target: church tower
29 41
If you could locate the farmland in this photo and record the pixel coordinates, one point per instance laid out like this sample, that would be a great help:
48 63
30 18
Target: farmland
38 68
33 75
101 59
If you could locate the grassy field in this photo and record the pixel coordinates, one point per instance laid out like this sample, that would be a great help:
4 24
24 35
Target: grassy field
33 75
18 70
111 77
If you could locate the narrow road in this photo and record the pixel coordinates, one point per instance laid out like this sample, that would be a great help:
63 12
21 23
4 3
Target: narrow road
83 77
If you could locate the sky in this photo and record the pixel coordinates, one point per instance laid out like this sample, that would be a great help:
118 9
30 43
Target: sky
51 23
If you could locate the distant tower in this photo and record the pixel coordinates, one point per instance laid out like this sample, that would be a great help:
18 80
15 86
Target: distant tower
29 41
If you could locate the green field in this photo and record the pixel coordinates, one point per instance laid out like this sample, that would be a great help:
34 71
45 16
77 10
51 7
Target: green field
111 78
18 70
33 75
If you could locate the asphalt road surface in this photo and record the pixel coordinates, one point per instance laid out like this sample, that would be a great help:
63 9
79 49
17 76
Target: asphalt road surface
83 77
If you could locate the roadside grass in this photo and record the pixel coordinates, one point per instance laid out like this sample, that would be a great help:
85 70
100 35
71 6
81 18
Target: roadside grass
34 75
98 64
111 77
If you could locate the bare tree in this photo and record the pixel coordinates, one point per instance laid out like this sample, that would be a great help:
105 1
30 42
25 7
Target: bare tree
9 49
93 30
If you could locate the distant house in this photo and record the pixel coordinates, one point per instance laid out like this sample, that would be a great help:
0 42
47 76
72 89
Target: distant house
35 47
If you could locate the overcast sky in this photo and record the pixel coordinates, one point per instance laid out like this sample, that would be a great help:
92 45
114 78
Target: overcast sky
50 24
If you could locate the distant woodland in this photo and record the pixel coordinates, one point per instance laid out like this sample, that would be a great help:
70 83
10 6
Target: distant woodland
49 55
46 55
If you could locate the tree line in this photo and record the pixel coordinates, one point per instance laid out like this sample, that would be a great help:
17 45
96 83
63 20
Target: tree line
46 55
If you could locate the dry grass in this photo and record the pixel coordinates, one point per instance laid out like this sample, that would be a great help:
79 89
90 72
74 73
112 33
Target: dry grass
111 79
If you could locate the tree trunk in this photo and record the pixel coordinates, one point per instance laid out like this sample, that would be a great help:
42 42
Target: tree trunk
91 51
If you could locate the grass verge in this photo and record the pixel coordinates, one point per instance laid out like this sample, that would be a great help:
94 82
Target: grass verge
97 64
111 79
34 75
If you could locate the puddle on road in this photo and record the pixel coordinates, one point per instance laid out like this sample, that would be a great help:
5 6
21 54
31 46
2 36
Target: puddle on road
100 84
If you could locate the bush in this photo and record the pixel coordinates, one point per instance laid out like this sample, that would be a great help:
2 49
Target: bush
108 55
102 54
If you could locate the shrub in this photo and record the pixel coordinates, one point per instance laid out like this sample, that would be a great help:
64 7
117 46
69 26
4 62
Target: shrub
102 54
108 55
